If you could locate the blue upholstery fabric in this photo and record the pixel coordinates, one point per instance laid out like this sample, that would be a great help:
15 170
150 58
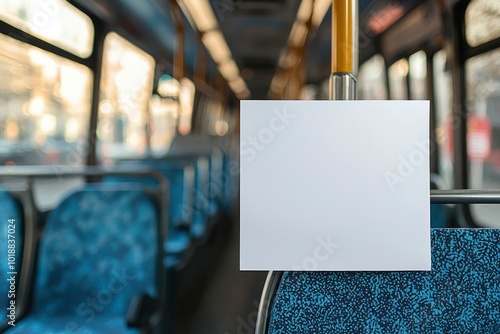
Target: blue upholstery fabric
10 208
460 295
438 216
97 252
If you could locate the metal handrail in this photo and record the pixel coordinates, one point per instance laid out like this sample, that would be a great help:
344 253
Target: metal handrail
270 287
465 196
30 172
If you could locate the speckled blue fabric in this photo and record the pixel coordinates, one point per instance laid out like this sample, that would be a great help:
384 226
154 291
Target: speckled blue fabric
98 250
460 295
438 216
10 208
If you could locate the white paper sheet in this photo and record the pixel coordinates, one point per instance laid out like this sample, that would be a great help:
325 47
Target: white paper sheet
335 185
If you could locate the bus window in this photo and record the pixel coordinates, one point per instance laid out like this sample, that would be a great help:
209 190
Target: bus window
54 21
398 73
372 80
418 76
482 21
164 112
126 86
163 121
215 119
483 129
44 106
186 101
444 119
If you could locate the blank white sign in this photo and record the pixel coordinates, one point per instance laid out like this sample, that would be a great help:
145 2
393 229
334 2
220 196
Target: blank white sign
335 185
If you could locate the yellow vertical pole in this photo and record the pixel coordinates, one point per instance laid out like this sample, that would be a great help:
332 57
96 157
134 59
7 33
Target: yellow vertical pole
344 49
341 36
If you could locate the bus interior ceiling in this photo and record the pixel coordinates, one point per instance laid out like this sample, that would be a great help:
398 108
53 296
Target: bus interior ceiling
155 85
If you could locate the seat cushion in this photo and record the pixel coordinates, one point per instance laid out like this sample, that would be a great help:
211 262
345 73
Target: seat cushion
99 244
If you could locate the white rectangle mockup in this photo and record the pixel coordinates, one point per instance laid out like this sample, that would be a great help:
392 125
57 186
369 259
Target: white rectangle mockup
335 186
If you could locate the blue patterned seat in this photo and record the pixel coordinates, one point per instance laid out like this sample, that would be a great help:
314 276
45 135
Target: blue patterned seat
460 295
201 195
180 214
209 191
10 209
204 203
181 185
98 250
227 178
202 146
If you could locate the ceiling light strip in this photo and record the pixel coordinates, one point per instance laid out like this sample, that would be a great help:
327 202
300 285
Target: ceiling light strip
201 14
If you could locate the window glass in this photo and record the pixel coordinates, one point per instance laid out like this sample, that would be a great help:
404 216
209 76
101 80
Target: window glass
309 92
215 118
163 121
483 129
54 21
372 79
418 76
186 101
324 90
398 73
482 21
126 86
44 106
444 119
